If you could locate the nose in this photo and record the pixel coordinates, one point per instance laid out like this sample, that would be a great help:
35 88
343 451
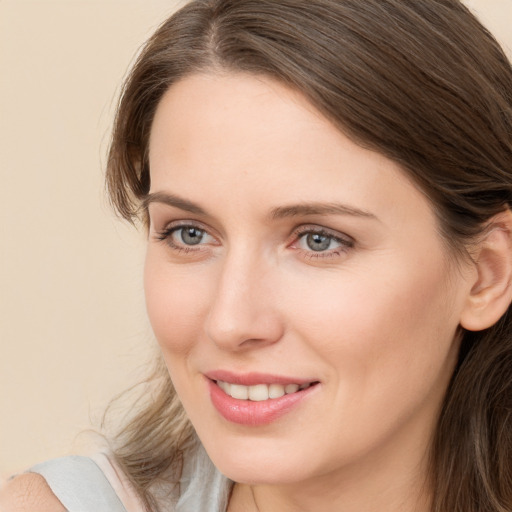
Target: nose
243 311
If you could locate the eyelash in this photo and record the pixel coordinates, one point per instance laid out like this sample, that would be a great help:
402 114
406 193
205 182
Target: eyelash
166 237
345 242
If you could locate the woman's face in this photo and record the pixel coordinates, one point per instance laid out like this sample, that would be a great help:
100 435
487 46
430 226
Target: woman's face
281 255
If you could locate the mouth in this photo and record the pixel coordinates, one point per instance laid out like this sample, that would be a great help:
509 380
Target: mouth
261 392
256 399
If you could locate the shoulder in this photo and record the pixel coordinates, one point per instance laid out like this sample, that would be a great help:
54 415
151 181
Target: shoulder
28 492
67 483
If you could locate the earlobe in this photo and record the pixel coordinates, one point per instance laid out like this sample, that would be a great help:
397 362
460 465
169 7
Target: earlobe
491 293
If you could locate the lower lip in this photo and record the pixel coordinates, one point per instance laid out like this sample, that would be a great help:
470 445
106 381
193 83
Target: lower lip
247 412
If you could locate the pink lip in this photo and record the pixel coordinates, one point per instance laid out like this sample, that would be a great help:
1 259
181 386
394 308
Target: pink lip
253 378
249 413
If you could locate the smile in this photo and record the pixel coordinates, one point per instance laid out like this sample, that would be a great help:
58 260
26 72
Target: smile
260 392
254 403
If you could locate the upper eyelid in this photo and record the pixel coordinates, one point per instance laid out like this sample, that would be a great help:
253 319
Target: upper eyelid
176 224
295 233
302 230
306 228
170 228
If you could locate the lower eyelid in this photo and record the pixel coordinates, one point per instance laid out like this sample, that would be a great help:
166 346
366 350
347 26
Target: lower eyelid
333 253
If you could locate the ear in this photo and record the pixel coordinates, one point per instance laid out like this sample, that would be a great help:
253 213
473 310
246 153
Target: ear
491 293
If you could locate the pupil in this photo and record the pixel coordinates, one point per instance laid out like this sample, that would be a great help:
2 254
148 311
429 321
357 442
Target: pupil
318 242
191 236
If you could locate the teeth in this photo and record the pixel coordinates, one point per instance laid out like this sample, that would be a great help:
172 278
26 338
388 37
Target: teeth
224 386
291 388
276 391
259 392
240 392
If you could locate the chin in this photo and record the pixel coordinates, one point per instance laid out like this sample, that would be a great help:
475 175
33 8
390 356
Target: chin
258 461
259 473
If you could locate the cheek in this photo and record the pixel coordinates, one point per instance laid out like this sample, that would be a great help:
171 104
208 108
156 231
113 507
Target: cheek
387 323
175 302
386 343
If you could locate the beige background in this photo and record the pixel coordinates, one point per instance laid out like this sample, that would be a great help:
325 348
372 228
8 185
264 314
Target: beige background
73 330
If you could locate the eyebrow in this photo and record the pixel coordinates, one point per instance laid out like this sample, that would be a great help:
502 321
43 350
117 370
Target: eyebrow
172 200
304 209
280 212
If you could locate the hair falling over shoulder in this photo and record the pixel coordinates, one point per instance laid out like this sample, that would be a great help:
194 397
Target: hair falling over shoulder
423 83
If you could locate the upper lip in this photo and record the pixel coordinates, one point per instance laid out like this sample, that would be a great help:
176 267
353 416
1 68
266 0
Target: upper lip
253 378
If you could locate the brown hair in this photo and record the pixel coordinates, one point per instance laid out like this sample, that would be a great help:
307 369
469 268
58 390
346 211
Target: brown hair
421 82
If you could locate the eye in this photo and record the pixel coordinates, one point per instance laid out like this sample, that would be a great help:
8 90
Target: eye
320 242
185 237
188 235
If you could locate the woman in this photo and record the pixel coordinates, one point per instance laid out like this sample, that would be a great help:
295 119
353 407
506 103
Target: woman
326 188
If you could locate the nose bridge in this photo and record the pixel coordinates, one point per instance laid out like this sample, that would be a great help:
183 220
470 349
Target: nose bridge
242 307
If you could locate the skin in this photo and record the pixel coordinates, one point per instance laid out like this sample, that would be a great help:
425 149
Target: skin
374 318
28 492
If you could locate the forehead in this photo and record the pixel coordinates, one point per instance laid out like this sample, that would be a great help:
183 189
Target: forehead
242 110
214 135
